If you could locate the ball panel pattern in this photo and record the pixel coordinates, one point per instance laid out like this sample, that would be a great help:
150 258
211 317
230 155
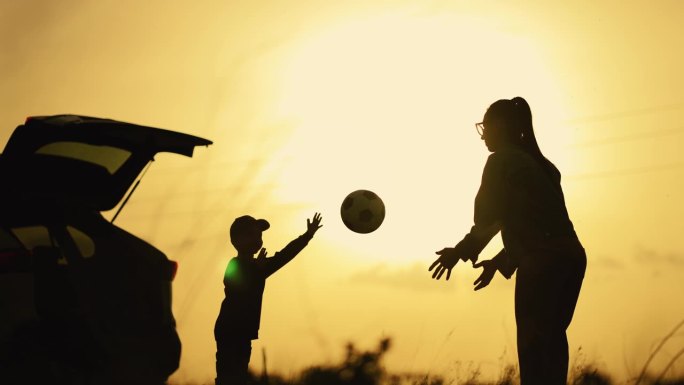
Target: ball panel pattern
362 211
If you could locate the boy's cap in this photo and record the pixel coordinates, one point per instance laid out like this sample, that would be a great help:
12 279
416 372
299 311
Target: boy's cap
247 224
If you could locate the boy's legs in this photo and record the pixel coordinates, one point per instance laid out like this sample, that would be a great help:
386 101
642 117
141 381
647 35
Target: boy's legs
232 361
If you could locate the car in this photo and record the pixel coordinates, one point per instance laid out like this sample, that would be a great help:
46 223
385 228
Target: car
82 301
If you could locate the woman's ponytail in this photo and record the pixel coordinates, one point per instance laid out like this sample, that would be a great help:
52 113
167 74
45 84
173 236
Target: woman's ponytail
523 121
522 117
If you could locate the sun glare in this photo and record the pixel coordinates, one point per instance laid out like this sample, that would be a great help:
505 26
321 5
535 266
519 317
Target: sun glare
389 104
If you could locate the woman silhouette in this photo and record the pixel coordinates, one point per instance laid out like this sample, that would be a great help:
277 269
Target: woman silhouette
521 196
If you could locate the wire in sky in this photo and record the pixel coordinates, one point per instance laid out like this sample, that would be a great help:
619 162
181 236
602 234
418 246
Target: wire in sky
626 171
626 138
625 114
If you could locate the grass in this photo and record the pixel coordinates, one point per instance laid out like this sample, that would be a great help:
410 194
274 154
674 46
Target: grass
366 368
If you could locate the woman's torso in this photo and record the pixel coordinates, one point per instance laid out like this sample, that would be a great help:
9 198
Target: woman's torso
525 195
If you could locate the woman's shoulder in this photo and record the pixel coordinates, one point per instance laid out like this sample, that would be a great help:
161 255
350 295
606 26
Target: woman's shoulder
509 155
513 160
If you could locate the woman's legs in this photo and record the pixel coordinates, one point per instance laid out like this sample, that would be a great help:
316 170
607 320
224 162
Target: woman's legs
546 292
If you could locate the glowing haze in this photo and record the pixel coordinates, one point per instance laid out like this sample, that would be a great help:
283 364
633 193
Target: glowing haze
308 101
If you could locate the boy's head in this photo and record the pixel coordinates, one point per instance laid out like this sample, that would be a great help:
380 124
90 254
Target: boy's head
245 234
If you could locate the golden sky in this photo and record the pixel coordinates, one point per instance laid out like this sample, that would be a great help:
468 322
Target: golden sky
306 101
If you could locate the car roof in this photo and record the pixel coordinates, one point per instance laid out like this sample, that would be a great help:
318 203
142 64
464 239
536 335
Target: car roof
85 160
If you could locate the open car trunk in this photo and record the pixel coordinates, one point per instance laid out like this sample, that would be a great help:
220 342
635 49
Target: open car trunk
84 160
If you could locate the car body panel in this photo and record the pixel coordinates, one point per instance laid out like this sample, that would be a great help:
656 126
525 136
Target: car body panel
82 300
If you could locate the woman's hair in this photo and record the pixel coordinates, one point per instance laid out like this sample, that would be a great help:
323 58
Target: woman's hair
516 118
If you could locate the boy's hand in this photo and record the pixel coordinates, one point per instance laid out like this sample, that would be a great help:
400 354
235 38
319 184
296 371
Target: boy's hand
261 257
313 225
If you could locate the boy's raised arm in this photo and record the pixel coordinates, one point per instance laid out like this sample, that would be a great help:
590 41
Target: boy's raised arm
282 257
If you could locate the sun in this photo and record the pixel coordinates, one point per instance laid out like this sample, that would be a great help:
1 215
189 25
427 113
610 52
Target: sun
388 104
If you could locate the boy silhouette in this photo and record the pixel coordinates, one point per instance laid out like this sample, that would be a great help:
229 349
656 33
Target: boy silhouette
244 280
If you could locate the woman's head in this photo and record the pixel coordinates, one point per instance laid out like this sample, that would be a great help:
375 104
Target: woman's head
509 121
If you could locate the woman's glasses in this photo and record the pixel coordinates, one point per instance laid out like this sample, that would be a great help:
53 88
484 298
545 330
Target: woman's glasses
480 128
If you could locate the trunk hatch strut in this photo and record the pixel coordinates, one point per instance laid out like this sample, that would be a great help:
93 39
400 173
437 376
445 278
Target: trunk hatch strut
135 186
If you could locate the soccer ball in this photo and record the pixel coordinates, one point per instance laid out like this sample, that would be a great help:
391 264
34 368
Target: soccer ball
362 211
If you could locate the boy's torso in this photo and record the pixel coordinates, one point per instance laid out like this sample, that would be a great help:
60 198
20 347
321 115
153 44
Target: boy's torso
244 284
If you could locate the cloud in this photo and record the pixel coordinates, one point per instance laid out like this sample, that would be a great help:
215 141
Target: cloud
660 259
606 263
412 277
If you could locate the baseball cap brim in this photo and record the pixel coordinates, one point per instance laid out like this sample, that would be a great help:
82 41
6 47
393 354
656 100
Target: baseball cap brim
263 224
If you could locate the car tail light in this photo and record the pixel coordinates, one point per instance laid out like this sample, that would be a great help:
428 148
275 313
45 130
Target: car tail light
15 260
173 268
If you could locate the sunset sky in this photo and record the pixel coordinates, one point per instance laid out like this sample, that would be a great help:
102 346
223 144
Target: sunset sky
306 101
